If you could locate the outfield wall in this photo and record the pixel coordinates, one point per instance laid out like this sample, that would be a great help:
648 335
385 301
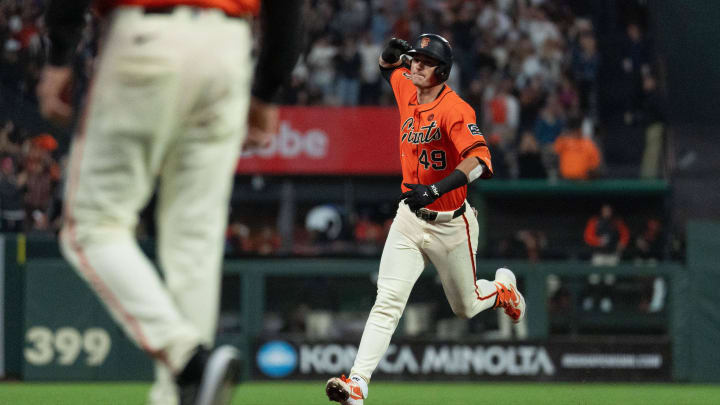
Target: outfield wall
55 329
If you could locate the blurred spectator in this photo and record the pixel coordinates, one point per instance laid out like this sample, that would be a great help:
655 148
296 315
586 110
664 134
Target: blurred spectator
525 63
552 58
347 67
585 63
501 158
380 24
608 236
296 92
369 235
11 197
369 73
474 97
494 21
402 25
503 113
237 238
653 117
568 96
578 157
464 33
649 243
530 161
350 18
321 67
532 100
45 142
635 65
267 242
535 23
7 146
534 241
22 48
38 183
58 172
527 244
550 123
318 15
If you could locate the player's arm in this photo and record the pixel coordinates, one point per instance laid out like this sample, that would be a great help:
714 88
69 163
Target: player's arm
64 21
420 195
281 43
391 57
281 35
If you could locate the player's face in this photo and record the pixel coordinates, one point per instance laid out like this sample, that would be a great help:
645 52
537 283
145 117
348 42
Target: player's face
422 71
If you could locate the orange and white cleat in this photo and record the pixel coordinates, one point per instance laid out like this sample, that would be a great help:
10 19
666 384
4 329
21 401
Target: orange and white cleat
508 296
346 391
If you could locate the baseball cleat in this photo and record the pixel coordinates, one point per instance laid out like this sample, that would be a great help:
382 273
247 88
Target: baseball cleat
344 390
220 371
508 296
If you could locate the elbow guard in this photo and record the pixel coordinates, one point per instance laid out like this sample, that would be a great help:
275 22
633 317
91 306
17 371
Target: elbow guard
476 173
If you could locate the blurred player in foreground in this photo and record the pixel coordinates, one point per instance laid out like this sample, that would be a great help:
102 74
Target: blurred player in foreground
168 110
441 151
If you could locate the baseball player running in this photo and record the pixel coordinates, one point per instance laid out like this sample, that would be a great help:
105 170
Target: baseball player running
441 151
167 109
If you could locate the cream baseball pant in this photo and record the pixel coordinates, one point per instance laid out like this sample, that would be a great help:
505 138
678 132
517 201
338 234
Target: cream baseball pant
166 111
411 243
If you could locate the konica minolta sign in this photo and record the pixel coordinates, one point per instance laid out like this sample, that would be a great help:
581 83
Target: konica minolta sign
461 361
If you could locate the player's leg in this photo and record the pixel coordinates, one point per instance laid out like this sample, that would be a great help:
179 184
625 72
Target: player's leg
192 214
196 177
401 264
110 180
164 390
197 173
453 250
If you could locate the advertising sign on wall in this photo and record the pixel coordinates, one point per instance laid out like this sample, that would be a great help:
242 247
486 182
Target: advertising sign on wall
561 361
322 140
69 335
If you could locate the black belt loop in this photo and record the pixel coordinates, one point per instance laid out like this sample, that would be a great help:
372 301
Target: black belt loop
166 10
459 211
159 10
430 215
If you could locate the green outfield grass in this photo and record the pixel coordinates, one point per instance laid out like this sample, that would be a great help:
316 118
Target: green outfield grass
381 393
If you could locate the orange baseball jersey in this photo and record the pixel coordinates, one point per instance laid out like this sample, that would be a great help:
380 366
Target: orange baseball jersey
435 137
230 7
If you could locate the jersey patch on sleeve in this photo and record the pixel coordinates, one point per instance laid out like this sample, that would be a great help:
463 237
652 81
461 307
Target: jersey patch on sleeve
474 130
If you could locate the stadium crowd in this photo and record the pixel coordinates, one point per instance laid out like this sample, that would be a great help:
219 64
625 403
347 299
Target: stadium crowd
528 67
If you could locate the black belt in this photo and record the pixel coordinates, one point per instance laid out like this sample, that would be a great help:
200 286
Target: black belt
166 10
430 215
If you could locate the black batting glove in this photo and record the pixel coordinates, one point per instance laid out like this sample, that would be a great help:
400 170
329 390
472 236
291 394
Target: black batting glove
419 195
394 49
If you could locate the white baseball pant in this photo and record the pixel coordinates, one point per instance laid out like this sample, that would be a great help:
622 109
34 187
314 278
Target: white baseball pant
167 107
451 247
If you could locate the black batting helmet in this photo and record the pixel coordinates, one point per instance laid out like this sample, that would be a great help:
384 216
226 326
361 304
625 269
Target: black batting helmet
438 48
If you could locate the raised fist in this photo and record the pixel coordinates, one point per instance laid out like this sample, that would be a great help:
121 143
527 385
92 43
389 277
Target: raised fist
394 49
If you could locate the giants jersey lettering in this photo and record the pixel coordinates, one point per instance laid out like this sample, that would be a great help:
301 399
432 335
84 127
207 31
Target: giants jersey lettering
231 7
435 137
